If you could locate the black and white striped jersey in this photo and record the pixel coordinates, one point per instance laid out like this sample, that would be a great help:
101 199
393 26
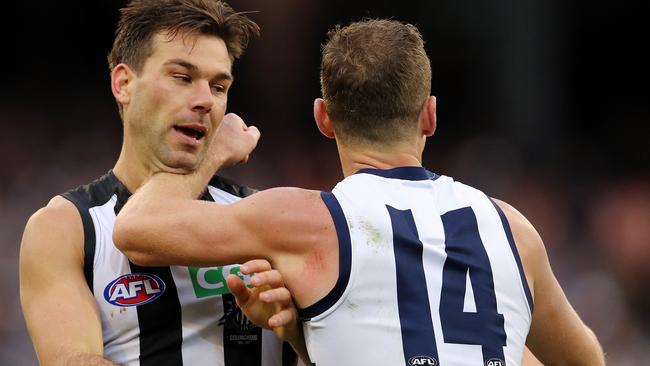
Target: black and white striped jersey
166 315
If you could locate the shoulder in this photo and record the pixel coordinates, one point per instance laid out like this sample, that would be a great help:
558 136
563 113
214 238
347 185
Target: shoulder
527 240
54 229
59 214
278 211
519 224
286 199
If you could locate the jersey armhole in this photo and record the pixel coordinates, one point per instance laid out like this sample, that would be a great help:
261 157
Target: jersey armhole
515 253
345 260
89 237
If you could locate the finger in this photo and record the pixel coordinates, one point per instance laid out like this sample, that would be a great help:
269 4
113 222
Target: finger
236 121
255 266
229 119
271 278
282 318
232 117
281 296
238 288
254 132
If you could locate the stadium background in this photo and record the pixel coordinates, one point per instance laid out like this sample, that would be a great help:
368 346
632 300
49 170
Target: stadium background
542 104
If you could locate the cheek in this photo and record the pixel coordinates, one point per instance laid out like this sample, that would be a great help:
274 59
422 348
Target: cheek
158 95
217 113
156 104
146 102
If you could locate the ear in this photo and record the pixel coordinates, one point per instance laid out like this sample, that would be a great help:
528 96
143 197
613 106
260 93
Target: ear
121 78
428 116
322 118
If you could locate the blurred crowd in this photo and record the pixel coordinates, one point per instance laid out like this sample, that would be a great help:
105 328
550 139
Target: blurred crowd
541 105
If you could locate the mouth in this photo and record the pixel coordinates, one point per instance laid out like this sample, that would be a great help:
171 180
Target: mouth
194 130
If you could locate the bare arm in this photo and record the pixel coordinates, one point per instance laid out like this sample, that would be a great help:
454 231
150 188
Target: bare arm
59 309
163 224
557 335
161 218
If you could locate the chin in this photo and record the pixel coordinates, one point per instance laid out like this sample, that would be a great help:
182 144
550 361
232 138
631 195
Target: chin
179 161
183 165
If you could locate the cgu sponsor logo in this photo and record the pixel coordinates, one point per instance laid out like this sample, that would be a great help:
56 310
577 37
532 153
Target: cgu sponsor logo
211 281
422 361
134 289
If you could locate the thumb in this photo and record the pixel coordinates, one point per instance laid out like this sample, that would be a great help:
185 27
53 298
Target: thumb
238 288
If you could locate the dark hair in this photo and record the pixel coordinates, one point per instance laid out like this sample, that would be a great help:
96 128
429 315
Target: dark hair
141 19
375 78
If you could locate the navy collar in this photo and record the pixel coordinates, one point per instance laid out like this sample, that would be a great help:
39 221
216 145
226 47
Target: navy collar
404 173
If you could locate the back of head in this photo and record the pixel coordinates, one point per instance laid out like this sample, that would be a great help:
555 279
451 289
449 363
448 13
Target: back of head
375 78
140 20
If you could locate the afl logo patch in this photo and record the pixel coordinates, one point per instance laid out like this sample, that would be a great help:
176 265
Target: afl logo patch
422 361
495 362
134 289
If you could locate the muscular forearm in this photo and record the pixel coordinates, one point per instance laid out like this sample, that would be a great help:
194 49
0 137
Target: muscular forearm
177 186
142 228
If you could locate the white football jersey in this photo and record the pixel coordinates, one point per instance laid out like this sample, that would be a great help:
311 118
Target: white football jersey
428 275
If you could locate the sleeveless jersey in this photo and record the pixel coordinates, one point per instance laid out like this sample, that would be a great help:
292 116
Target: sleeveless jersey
166 315
428 275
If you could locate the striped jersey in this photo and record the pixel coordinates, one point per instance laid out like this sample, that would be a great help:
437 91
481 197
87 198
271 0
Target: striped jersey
166 315
428 275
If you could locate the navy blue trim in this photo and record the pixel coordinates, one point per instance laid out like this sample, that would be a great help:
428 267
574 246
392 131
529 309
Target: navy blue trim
418 336
345 259
403 172
515 253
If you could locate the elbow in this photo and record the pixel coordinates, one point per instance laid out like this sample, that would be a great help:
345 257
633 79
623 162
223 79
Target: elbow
597 349
140 259
122 233
590 354
129 240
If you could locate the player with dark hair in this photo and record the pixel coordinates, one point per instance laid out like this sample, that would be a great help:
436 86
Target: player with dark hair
84 302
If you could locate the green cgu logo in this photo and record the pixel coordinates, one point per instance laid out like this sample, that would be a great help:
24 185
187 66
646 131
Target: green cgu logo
211 281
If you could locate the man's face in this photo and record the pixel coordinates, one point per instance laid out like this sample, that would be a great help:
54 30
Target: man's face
178 100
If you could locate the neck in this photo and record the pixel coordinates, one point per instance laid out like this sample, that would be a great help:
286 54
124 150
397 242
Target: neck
353 158
131 169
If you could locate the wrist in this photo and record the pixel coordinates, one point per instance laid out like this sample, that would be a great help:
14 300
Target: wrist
210 165
295 335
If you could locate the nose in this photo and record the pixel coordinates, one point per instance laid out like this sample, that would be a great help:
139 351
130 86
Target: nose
202 98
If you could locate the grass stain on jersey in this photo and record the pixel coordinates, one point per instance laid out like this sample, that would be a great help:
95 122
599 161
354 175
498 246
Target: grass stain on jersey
374 235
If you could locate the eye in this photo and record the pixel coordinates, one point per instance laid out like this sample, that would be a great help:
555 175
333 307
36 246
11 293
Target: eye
182 78
218 88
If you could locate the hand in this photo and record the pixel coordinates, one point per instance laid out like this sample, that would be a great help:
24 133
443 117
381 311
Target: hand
233 141
268 304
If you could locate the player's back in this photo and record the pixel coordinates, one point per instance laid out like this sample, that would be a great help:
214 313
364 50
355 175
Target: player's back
429 275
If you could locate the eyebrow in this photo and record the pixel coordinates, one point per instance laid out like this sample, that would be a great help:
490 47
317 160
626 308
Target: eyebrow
194 69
